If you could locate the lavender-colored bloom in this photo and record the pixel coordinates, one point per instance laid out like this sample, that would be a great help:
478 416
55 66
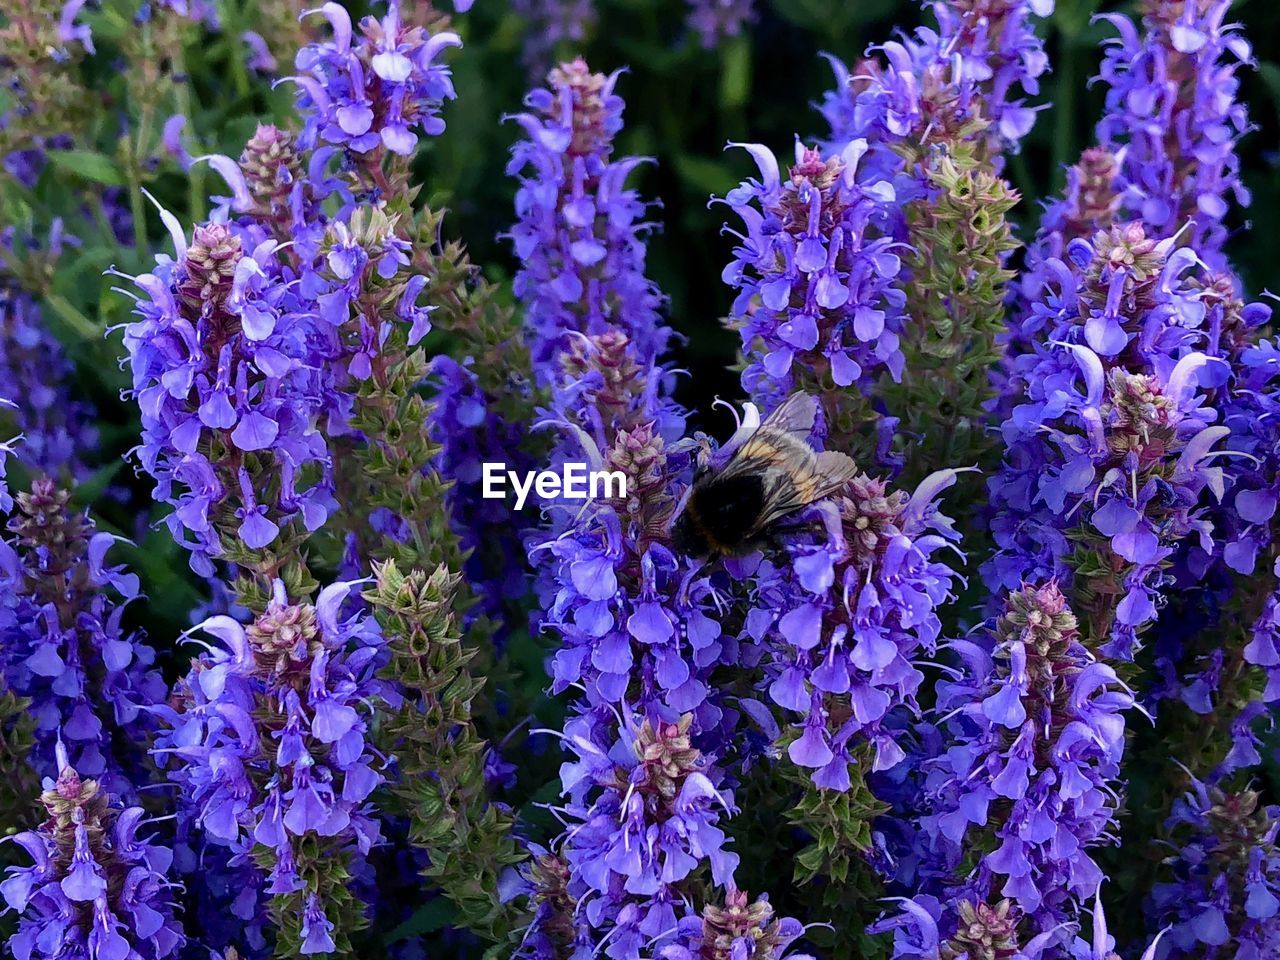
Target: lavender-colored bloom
6 451
638 621
1171 106
817 303
844 617
1167 154
373 91
925 928
63 643
1035 729
1101 945
224 360
223 897
201 11
741 928
95 889
470 434
1112 446
1263 649
269 738
260 57
643 811
171 140
715 20
1224 896
1168 159
57 428
579 237
980 64
71 32
550 23
1253 415
1090 202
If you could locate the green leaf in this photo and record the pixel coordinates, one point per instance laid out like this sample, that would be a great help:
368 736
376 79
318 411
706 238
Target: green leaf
88 165
703 175
1270 74
87 491
735 80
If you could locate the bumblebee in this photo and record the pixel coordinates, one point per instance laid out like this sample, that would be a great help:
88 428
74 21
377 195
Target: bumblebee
764 472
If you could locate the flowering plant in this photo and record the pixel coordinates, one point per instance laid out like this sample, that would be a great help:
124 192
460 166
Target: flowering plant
962 644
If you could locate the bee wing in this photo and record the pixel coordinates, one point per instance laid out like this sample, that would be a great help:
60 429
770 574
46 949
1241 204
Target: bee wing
791 482
834 470
796 414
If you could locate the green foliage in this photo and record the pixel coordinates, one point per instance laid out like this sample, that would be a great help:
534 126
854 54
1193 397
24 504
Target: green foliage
20 786
468 309
960 240
324 872
387 471
441 785
839 825
88 165
831 876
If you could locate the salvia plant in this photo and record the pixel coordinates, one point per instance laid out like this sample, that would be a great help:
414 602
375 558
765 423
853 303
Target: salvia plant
962 644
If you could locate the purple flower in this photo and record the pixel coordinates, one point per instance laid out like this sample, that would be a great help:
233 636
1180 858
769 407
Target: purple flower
71 32
316 928
1101 945
1112 446
638 621
260 57
1172 115
373 91
579 236
171 139
715 20
1263 649
1223 896
844 616
643 811
928 929
471 433
63 643
817 304
979 65
1034 730
741 928
269 740
201 11
95 887
548 23
225 359
59 437
7 448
